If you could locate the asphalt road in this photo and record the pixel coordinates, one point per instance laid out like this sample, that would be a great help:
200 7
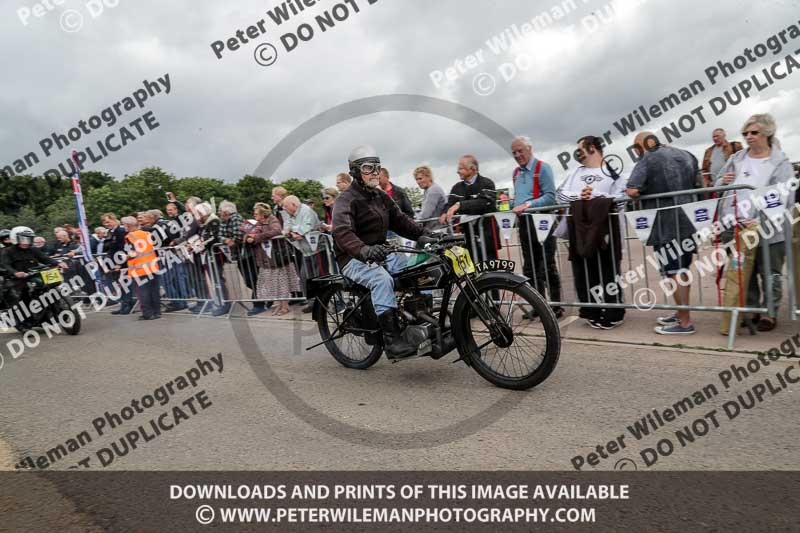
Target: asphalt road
278 407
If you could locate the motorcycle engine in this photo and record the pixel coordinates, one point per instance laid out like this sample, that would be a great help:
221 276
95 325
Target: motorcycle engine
420 303
418 332
420 336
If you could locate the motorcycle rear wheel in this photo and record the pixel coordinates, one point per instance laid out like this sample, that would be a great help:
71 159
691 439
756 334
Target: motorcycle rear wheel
64 304
349 348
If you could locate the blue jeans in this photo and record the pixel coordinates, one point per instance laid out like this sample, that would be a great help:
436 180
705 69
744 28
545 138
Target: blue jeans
377 280
396 262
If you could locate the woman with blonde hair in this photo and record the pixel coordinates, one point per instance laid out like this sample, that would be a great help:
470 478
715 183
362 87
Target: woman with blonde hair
329 195
277 275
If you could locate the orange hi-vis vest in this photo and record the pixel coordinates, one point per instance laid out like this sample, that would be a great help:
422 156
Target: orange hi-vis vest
145 262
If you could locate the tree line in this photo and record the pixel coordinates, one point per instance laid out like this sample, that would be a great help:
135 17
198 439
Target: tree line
43 203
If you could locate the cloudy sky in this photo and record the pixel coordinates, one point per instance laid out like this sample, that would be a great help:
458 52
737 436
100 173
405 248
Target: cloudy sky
576 75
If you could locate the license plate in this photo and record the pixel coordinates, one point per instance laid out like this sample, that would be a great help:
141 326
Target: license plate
51 277
494 265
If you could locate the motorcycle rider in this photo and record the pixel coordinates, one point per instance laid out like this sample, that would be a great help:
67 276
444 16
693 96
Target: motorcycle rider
18 258
5 238
362 216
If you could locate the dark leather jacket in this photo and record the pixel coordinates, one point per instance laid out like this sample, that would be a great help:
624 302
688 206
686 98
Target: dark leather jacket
362 217
14 259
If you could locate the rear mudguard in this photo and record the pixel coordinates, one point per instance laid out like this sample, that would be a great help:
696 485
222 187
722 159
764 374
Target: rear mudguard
318 286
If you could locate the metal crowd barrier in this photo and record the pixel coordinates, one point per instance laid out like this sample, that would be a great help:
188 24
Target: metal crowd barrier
225 276
632 258
184 277
235 280
187 276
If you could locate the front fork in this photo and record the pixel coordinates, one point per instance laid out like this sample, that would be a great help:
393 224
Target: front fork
500 331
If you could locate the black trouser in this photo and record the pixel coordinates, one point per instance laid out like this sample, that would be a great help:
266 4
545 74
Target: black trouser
592 278
309 268
216 274
483 249
149 296
14 292
197 277
539 262
126 299
249 270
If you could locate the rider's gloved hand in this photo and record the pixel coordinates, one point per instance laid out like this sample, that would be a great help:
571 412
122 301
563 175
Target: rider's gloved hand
428 238
374 254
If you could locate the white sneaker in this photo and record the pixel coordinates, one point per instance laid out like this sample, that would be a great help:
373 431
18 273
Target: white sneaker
675 329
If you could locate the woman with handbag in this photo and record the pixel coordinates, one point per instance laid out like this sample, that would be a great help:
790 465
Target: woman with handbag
277 275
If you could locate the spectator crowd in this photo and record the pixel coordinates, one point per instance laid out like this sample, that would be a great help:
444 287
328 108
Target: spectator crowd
275 249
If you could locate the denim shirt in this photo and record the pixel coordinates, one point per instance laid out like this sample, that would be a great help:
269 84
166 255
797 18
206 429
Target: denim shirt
523 189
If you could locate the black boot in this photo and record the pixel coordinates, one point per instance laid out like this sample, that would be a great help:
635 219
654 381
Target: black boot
123 310
394 344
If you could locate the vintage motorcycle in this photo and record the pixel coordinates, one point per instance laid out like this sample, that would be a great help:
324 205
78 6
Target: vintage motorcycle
42 285
480 314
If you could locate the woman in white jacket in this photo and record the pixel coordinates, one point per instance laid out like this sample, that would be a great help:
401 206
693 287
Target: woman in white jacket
761 164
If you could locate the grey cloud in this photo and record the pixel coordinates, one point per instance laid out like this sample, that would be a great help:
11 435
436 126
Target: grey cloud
223 116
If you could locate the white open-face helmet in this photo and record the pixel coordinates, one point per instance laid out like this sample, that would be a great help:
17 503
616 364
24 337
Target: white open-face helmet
363 155
22 235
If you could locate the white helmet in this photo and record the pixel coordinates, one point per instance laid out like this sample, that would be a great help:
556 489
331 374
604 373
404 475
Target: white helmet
363 155
25 232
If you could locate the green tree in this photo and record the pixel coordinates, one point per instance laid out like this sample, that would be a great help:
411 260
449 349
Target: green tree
306 190
415 195
252 189
205 189
26 217
144 190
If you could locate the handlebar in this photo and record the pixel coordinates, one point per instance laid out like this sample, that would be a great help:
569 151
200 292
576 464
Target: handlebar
429 244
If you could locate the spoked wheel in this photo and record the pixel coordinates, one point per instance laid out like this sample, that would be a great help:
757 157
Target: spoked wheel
503 347
347 328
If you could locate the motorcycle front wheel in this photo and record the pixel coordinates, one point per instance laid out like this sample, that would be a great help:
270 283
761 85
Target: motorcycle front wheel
503 346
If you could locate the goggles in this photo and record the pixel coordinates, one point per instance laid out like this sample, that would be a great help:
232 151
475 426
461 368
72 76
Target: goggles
367 169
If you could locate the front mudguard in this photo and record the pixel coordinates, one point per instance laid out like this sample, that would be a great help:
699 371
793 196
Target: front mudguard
487 279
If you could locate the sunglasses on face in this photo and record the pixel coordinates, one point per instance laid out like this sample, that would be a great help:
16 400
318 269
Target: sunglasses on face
752 132
367 169
327 197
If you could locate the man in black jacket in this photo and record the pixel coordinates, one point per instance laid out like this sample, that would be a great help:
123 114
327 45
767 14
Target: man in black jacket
115 248
474 195
362 216
396 193
19 257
